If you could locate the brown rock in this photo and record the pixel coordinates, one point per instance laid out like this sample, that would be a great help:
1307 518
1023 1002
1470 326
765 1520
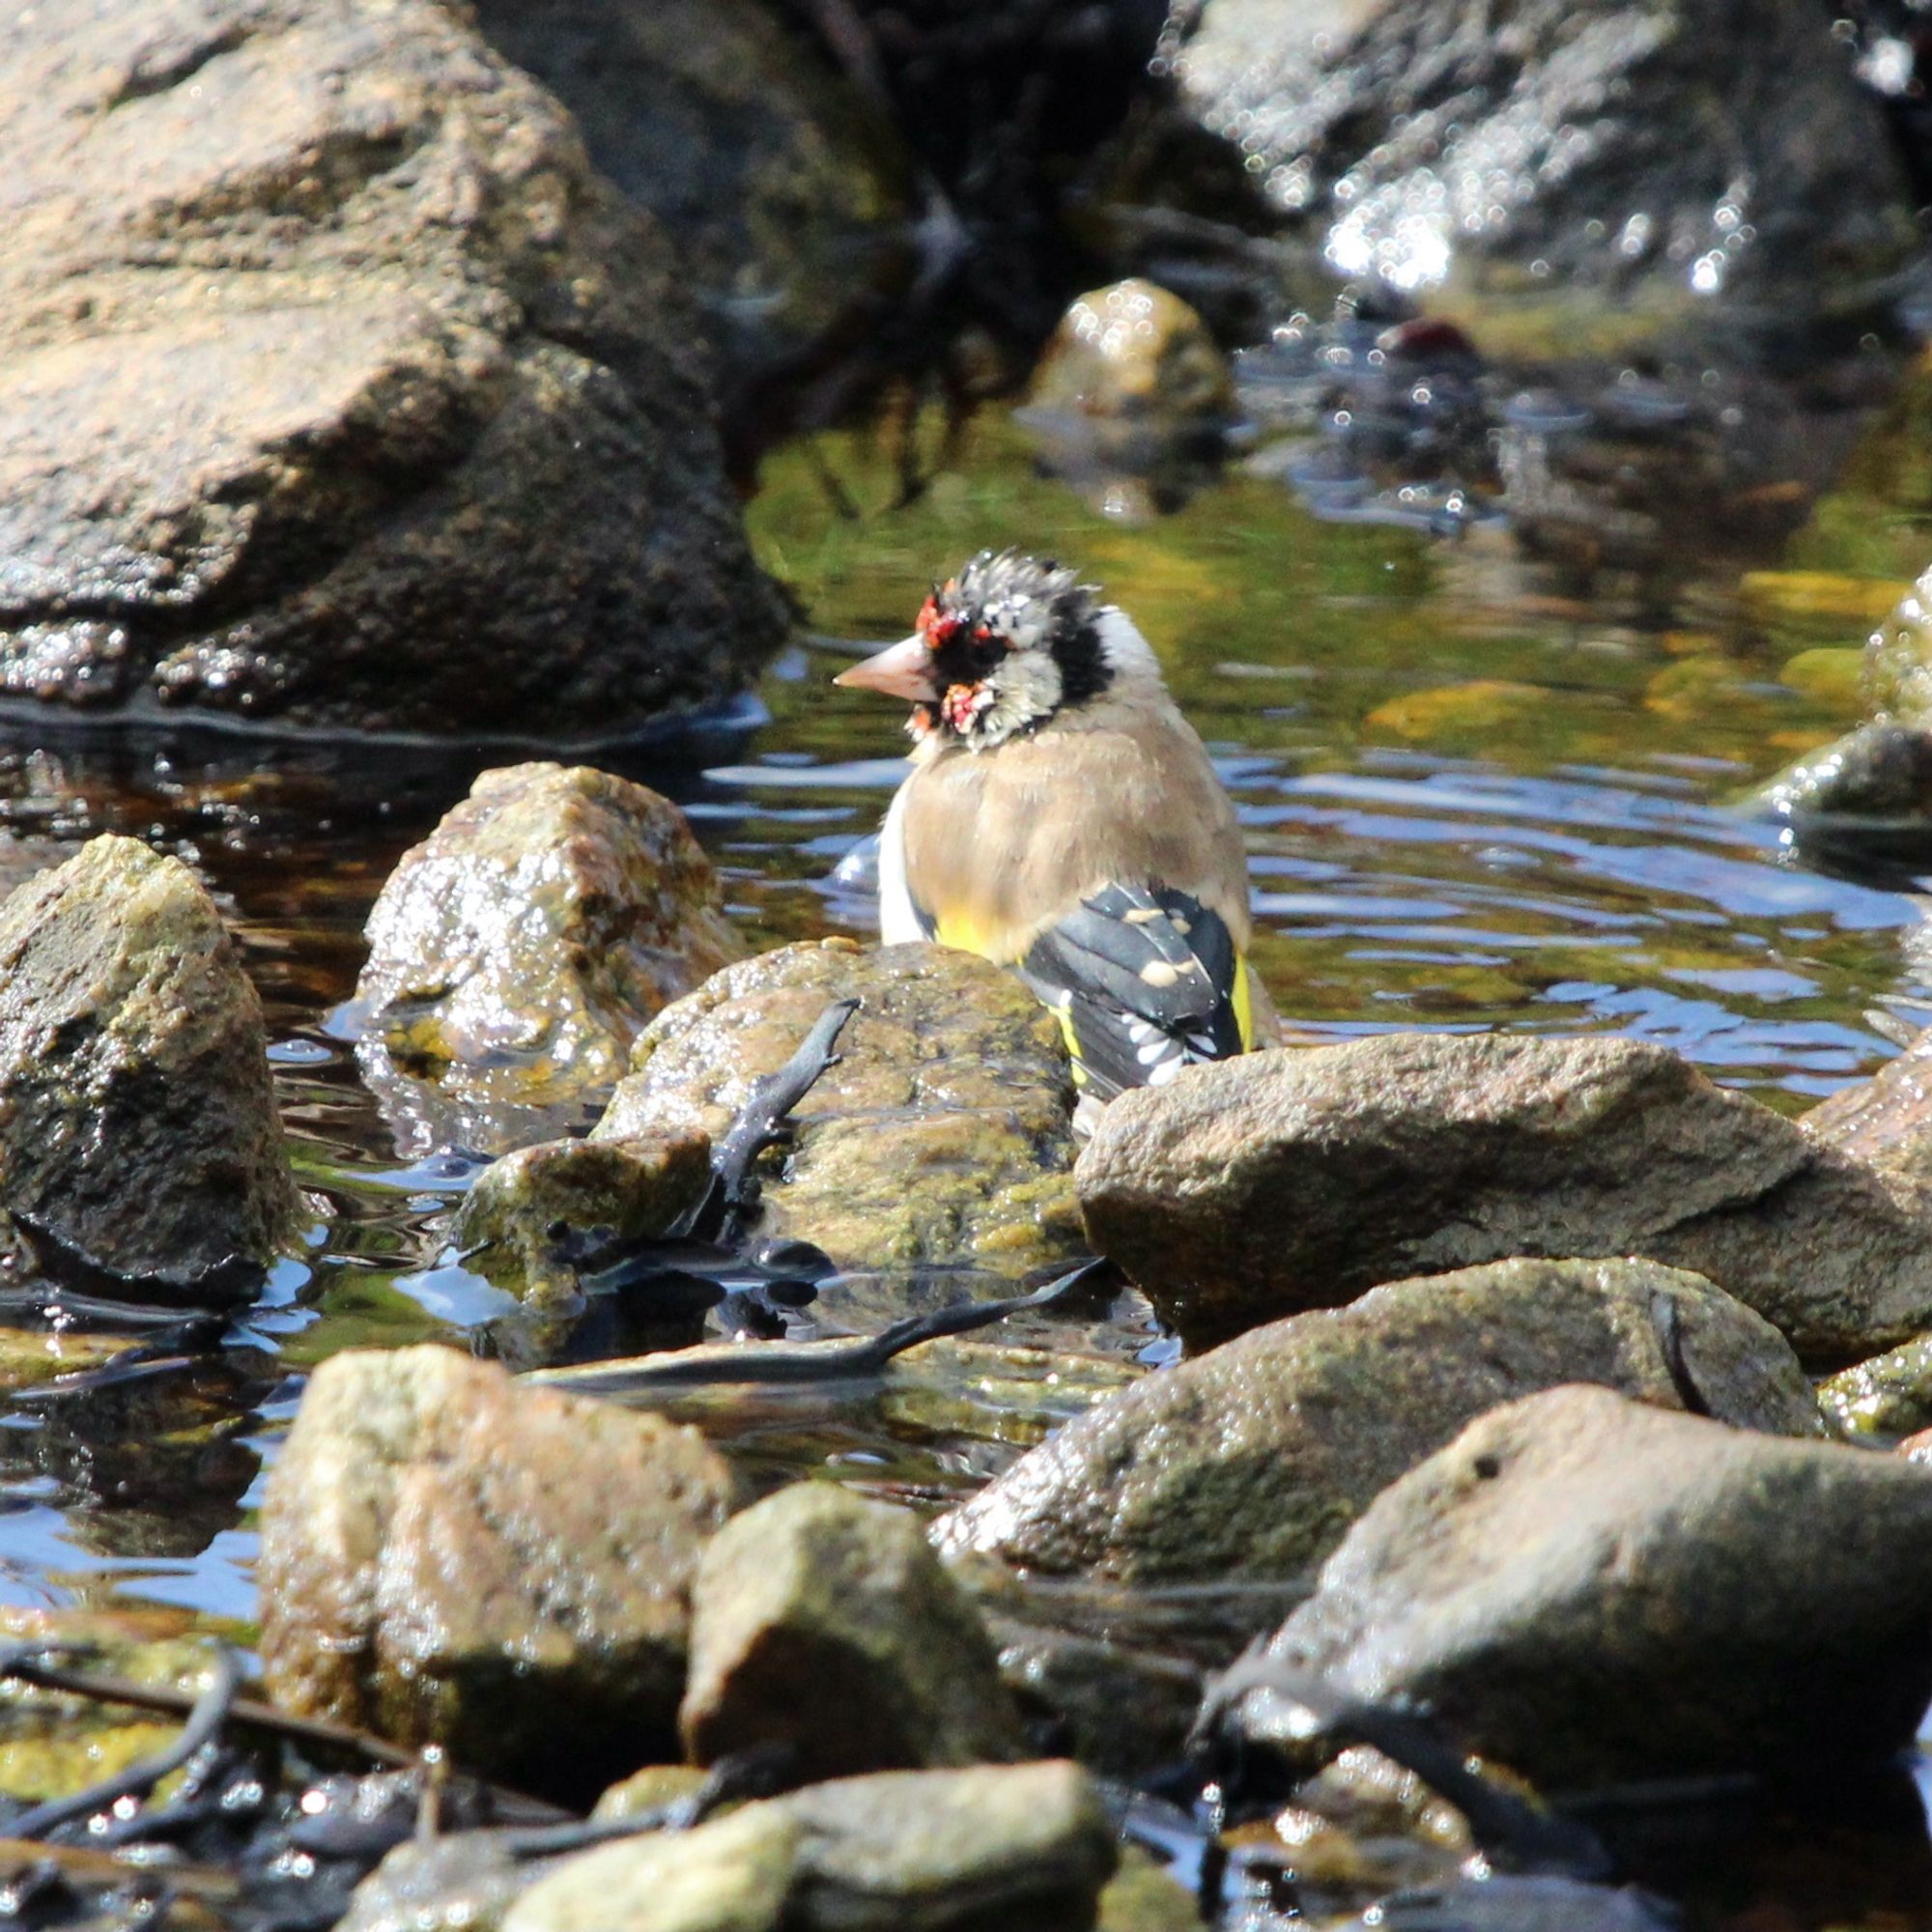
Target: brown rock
1252 1460
449 1557
339 389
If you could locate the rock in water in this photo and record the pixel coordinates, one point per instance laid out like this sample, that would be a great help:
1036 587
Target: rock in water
1023 1848
1565 142
1252 1460
944 1134
825 1623
1592 1590
137 1122
518 950
448 1557
341 390
1263 1185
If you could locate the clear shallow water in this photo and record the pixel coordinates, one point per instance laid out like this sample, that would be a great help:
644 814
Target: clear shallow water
1479 790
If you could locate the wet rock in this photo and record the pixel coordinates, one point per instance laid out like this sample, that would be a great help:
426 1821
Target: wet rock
462 1882
1025 1848
781 188
450 1557
1422 141
1279 1182
1680 1599
519 950
1887 1119
1254 1458
1890 1394
1144 1896
1877 775
943 1136
824 1622
342 391
650 1790
137 1124
507 1226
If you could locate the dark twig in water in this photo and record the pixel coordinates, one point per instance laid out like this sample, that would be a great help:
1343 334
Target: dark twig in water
792 1364
741 1775
1505 1825
211 1710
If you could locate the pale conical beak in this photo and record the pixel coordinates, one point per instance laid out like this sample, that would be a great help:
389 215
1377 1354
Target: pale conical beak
900 670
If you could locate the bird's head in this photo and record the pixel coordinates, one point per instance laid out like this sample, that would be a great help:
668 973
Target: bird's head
1007 644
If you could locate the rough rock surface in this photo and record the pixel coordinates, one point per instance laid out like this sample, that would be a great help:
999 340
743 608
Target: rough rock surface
519 949
449 1557
339 389
460 1881
1680 1599
1427 139
1887 1119
782 191
137 1122
943 1135
1252 1460
1263 1185
1887 1396
825 1623
1025 1848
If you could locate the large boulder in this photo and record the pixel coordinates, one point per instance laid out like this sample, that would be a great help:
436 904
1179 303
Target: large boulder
824 1622
1252 1460
518 950
943 1136
137 1122
1679 1599
448 1557
1260 1186
1026 1848
340 390
1549 142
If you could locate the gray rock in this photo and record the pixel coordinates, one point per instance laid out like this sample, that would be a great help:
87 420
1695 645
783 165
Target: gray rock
462 1882
1252 1460
449 1557
1276 1182
943 1135
1025 1848
137 1122
518 950
1593 1590
341 390
1887 1119
1421 137
825 1623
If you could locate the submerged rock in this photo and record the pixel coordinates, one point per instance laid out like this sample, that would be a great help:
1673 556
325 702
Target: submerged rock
943 1136
137 1122
448 1557
1276 1182
1252 1460
825 1623
1025 1848
1429 140
341 390
1592 1590
516 954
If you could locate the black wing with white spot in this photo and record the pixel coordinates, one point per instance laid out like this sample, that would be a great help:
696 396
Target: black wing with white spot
1144 979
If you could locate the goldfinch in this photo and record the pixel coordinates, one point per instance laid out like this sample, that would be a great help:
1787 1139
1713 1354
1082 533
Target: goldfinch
1063 819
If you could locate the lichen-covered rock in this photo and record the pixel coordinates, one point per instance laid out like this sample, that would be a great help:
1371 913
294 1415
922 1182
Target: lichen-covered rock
1026 1848
137 1122
943 1135
1677 1598
635 1188
519 950
341 390
1253 1459
825 1623
1263 1185
1428 140
783 193
448 1557
1890 1394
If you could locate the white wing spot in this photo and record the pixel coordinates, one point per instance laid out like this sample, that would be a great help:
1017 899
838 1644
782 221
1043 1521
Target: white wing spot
1153 1055
1160 1075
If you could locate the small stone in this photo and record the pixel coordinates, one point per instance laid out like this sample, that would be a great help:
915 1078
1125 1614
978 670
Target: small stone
1596 1591
463 1882
137 1121
450 1557
1252 1460
650 1790
944 1136
823 1622
1889 1395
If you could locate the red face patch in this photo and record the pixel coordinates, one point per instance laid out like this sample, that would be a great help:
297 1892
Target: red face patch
936 626
962 705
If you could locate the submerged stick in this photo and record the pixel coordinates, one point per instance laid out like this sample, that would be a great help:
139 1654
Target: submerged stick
792 1364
